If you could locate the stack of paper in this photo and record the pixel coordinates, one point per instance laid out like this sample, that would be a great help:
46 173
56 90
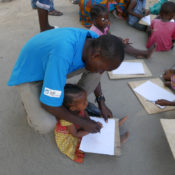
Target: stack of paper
103 142
129 68
153 92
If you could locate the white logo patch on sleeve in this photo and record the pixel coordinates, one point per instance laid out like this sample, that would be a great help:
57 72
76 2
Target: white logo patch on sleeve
52 93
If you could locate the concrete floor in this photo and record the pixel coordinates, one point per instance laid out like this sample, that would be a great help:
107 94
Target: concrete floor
22 151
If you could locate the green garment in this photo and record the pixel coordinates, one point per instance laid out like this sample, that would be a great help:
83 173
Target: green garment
156 7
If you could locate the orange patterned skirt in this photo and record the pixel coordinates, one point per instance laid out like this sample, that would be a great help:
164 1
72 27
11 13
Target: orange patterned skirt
66 143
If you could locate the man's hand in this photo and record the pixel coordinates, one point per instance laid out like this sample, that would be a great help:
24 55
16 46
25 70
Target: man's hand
106 112
164 102
91 126
167 75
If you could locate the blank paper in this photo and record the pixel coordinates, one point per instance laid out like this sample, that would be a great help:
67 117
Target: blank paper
129 68
147 19
152 92
103 142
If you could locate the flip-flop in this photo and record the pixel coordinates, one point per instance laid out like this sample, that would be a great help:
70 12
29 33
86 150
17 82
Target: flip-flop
55 13
75 2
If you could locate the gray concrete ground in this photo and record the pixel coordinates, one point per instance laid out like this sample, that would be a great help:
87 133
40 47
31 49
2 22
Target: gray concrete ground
22 151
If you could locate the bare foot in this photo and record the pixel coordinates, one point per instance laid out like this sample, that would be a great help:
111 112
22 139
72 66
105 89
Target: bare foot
122 120
124 137
150 51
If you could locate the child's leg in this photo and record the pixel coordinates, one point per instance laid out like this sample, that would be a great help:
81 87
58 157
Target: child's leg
122 120
136 52
124 137
43 20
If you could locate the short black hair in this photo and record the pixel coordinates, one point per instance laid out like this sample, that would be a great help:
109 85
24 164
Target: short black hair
168 8
110 47
71 91
98 10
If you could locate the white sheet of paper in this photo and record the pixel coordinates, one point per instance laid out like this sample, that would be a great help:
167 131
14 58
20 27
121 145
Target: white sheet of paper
152 92
103 142
129 68
147 19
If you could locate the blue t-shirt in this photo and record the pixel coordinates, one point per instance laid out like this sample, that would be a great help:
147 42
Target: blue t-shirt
50 56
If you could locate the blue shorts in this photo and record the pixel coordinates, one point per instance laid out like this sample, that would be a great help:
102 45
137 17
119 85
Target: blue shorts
45 4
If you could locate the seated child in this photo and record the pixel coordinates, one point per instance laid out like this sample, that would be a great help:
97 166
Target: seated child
169 77
101 25
136 11
162 30
68 136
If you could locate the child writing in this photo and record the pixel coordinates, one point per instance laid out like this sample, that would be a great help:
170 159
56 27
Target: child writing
169 78
101 25
136 11
68 136
162 30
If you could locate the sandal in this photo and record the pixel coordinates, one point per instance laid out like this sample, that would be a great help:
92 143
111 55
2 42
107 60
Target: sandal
75 2
55 13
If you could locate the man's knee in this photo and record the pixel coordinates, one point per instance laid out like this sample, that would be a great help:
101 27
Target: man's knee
89 81
43 126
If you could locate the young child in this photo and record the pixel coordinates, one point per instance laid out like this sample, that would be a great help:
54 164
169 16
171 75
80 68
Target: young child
68 136
136 11
163 31
169 78
101 26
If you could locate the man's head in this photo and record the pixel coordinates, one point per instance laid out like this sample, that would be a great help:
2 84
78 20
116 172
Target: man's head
103 54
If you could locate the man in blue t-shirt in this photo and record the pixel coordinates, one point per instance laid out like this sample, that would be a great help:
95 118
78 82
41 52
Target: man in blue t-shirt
48 59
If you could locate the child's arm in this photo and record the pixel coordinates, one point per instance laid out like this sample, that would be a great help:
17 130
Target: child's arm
131 7
73 130
165 103
86 114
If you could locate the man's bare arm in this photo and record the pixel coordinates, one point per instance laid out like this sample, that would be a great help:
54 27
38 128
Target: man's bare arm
62 113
